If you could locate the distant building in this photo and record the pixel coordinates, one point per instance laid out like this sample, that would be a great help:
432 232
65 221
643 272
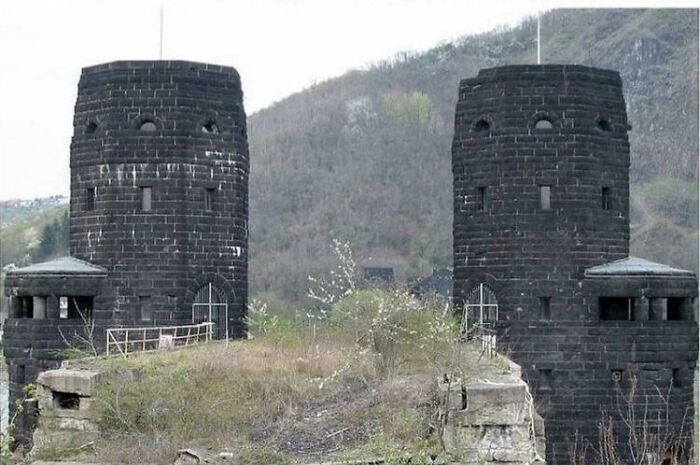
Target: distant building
540 160
378 276
439 283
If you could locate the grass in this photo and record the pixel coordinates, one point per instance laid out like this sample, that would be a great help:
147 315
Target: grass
355 380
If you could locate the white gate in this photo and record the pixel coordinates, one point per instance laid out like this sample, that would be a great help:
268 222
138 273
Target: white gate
210 305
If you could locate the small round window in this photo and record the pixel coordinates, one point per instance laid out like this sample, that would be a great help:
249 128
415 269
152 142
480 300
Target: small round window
91 127
604 125
543 123
482 126
210 127
148 126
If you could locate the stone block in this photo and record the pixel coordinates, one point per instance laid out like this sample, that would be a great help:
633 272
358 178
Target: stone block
81 382
511 413
480 396
512 456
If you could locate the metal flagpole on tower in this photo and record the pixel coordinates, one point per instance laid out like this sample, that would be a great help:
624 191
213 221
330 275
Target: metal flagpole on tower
539 57
160 54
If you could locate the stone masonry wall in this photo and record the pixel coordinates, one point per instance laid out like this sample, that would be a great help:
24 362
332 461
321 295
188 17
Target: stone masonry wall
540 162
197 148
510 238
581 359
491 420
31 347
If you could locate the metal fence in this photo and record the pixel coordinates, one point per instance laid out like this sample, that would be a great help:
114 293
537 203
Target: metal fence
126 341
215 313
486 335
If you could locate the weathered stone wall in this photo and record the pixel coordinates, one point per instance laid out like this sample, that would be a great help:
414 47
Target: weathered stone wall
194 158
582 358
538 252
491 421
31 347
529 255
169 252
64 398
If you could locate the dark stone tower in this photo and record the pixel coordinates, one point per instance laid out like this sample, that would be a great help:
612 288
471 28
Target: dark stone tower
159 189
158 215
540 162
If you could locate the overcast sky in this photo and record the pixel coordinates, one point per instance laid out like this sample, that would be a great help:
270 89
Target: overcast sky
279 47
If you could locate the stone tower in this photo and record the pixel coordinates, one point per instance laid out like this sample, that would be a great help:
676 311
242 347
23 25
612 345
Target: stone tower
159 189
540 161
158 215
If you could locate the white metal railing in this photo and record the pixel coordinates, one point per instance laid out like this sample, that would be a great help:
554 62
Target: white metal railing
483 334
487 336
125 341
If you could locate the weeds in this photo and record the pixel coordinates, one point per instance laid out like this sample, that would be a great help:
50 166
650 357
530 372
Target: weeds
7 439
354 376
635 433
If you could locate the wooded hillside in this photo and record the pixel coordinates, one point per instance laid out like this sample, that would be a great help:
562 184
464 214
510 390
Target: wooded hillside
366 157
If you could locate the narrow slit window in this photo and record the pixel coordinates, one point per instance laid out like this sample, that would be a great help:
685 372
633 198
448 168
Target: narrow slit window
26 306
90 194
546 380
676 378
145 307
674 308
544 308
208 199
79 307
146 198
605 198
481 193
545 197
616 308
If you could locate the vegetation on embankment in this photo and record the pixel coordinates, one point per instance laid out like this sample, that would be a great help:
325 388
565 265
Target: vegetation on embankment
352 379
36 238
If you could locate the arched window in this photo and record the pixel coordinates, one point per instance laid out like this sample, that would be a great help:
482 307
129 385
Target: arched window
480 308
210 305
544 123
210 127
91 127
482 126
604 125
148 126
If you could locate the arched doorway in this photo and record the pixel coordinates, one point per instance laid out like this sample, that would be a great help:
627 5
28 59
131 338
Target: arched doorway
210 305
480 309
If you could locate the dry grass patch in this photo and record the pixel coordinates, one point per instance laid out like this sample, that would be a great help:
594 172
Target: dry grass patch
352 384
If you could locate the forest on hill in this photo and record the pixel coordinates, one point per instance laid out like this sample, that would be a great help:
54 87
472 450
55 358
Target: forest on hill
365 157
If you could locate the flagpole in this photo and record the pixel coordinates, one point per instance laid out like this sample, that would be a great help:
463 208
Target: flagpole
160 54
539 56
